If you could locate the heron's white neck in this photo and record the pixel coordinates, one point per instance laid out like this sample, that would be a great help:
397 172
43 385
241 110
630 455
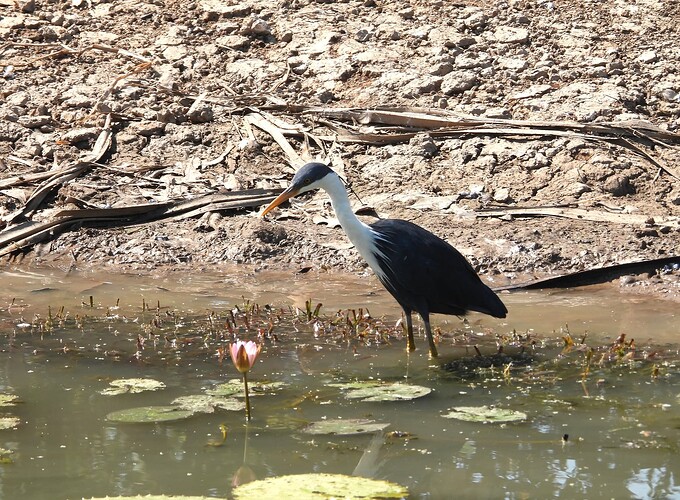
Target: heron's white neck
360 234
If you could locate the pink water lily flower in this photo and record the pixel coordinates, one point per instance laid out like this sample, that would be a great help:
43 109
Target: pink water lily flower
244 354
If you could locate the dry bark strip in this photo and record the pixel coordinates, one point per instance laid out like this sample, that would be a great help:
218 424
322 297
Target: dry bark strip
27 234
593 276
61 177
636 136
582 214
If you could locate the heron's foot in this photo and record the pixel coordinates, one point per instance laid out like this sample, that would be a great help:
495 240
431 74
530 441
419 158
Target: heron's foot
433 352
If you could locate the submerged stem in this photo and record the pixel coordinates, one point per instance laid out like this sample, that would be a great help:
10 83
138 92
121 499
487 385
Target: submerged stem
245 385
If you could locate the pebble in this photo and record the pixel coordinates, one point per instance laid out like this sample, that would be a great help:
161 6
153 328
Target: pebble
363 35
12 132
502 195
407 13
259 27
476 21
577 189
509 34
441 69
200 112
458 82
648 57
498 112
533 91
470 61
224 9
516 64
175 52
422 85
618 185
147 128
669 95
235 42
77 135
423 145
17 99
27 6
34 121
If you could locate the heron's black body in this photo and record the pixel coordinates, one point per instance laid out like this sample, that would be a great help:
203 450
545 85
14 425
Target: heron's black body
422 272
427 275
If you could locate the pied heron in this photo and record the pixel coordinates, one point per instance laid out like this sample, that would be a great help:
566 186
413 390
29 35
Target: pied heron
422 272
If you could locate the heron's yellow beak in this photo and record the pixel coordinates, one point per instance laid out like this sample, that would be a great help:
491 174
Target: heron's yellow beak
286 195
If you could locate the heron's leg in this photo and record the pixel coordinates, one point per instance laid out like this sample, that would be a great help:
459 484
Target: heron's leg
430 339
409 331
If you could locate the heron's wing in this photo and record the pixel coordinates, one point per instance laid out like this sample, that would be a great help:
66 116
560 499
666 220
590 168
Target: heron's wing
426 274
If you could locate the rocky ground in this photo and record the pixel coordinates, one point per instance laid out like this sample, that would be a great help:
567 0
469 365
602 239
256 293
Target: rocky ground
186 86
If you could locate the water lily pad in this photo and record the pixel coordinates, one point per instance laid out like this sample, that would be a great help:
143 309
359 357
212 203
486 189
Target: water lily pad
153 497
132 386
345 427
319 487
6 456
9 422
485 414
146 414
376 391
234 387
203 403
8 399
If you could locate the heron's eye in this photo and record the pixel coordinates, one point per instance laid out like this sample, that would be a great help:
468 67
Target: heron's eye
307 182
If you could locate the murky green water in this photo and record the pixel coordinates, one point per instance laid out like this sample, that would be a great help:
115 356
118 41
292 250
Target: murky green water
623 423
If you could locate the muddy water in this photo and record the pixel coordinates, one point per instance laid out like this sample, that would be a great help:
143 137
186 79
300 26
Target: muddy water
623 424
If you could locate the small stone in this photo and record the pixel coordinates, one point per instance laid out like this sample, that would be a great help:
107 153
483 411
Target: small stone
175 52
497 113
423 85
466 41
34 121
533 91
675 198
423 145
260 27
407 13
326 96
12 132
509 34
648 57
200 112
669 95
618 185
441 69
58 19
147 128
363 35
27 6
628 279
512 63
502 195
577 189
598 72
224 9
476 21
458 82
78 135
646 232
470 61
235 42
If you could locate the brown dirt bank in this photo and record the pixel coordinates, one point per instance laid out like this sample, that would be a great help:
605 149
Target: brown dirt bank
186 86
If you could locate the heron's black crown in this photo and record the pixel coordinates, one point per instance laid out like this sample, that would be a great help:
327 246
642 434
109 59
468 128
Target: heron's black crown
309 174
